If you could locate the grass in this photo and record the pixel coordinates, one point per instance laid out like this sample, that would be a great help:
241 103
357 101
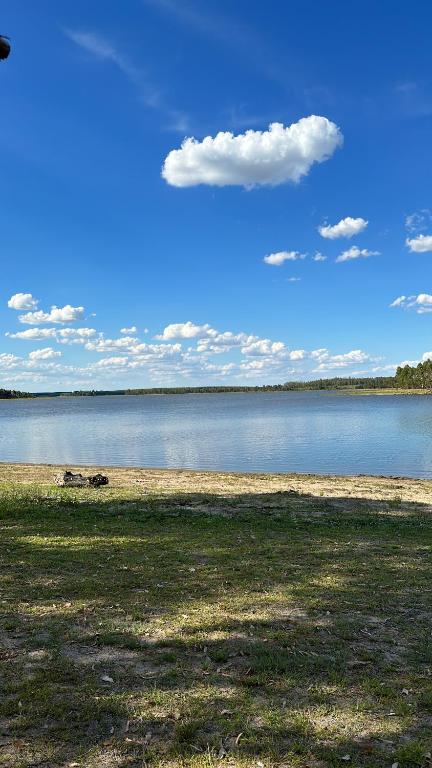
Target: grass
141 626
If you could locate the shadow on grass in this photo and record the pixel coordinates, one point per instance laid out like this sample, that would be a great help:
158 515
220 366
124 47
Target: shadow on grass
201 630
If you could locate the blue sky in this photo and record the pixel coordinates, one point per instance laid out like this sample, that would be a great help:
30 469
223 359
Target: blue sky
211 260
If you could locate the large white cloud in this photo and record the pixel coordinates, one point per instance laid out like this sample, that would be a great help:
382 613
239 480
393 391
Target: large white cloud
278 258
355 253
66 314
420 244
253 158
22 301
347 227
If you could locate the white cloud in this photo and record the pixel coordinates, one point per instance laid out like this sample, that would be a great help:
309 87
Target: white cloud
277 259
34 334
347 227
186 330
421 304
293 279
217 343
263 347
399 301
420 244
419 221
22 301
47 353
330 362
111 361
75 335
128 331
8 361
355 253
254 158
111 345
319 257
66 314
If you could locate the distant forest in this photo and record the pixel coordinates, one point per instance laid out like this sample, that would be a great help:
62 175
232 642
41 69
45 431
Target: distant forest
407 377
12 394
377 382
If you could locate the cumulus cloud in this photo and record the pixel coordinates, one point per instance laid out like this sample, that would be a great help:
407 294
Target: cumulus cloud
61 315
8 361
263 347
128 331
47 353
111 361
420 244
217 342
319 257
347 227
22 301
355 253
421 304
34 334
111 345
75 335
277 259
271 157
186 330
326 361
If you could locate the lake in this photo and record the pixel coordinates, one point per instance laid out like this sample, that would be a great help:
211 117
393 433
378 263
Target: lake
317 432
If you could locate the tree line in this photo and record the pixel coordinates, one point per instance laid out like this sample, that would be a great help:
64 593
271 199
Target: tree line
12 394
415 376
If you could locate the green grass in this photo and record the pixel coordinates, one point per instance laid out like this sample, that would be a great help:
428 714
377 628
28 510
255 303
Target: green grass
204 631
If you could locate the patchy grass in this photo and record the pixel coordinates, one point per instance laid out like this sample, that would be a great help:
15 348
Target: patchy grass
247 621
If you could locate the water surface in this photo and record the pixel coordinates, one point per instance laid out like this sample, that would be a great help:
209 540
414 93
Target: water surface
272 432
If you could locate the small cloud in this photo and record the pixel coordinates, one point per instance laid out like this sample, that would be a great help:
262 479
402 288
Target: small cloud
48 353
127 331
355 253
347 227
420 244
419 221
254 158
293 279
22 301
399 302
319 257
421 304
186 330
277 259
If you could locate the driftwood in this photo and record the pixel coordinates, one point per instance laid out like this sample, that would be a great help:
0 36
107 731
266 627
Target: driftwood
71 480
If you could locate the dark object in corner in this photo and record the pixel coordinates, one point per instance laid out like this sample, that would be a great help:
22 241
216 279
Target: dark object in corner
5 47
70 480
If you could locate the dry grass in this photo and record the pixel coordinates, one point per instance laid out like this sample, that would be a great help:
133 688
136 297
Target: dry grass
207 619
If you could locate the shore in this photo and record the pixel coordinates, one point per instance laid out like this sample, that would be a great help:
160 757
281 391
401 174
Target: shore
169 481
182 619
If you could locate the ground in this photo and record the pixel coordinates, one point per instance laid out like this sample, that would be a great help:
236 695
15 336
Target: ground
204 619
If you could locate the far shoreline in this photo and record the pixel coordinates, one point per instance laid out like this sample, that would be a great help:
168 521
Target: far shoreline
347 392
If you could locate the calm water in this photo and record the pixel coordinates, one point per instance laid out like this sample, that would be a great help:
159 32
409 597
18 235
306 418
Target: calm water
275 432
